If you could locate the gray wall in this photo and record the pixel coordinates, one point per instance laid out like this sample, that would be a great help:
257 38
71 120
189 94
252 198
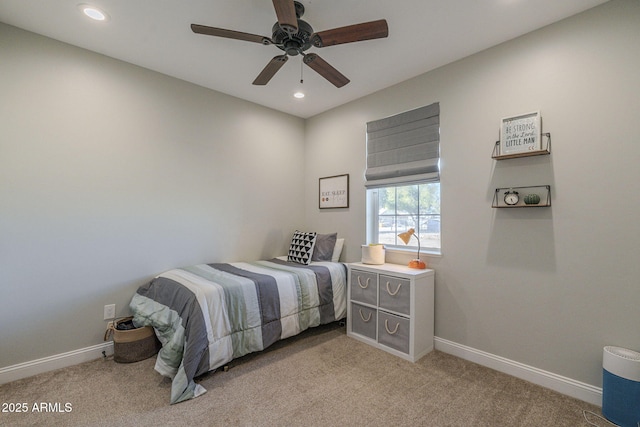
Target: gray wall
547 287
110 174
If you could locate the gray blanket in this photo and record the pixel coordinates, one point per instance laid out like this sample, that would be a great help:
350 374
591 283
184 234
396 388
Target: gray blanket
206 315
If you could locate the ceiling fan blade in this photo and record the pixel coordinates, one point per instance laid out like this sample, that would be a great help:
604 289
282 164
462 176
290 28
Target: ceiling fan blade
286 13
230 34
351 33
270 70
323 68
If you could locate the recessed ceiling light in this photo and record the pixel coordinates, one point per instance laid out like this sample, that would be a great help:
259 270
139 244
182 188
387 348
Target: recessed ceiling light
93 12
299 95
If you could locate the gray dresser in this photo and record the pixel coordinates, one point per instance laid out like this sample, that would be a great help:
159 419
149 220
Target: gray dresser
391 307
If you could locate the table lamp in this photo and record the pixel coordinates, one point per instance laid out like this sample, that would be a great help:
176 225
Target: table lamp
406 236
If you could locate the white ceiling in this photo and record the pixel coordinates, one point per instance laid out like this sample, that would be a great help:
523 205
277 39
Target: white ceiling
156 34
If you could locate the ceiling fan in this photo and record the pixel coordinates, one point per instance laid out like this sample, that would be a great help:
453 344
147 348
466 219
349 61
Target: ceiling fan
295 36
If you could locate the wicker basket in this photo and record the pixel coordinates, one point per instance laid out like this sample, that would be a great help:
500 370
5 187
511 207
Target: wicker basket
132 345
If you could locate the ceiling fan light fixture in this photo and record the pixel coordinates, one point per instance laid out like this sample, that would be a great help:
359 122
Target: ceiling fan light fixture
93 12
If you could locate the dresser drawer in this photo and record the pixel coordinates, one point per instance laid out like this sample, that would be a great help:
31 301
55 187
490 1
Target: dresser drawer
363 320
393 331
364 287
395 294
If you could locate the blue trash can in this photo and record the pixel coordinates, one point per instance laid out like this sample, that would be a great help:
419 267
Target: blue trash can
621 386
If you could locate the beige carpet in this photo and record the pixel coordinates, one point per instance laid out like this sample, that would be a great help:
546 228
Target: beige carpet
321 378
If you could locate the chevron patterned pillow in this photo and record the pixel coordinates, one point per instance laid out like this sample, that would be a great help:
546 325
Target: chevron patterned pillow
301 247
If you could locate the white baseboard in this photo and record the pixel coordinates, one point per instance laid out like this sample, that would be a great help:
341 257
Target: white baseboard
564 385
46 364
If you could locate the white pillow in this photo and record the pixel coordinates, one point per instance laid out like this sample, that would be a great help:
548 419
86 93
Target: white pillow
337 250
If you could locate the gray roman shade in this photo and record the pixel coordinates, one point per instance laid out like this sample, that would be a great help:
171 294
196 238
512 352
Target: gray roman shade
404 148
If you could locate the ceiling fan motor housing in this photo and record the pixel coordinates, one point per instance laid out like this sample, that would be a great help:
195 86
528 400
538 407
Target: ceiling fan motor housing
293 43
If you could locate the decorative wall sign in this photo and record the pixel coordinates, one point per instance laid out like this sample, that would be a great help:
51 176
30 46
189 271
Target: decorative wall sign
334 192
520 134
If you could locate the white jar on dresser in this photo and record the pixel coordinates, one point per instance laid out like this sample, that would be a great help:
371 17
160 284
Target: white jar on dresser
391 307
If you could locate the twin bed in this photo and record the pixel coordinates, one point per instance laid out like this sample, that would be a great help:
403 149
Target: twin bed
206 315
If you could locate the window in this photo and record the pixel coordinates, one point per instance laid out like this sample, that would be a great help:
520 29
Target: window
393 210
403 178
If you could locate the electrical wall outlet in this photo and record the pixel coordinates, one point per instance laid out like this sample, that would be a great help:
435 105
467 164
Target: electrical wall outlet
109 311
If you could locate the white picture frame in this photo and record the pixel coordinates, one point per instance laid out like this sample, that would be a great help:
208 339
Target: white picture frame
520 134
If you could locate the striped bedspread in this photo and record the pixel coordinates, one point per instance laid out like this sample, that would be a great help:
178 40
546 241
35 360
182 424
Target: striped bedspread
206 315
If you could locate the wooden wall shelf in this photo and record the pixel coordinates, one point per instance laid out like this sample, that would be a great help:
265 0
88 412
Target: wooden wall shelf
544 191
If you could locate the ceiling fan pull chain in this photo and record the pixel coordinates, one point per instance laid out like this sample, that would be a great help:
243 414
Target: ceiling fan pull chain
301 70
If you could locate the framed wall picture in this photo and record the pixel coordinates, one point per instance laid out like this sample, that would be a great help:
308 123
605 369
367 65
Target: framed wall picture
334 192
520 134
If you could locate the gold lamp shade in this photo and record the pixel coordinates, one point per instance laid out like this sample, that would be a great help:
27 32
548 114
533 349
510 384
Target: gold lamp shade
406 237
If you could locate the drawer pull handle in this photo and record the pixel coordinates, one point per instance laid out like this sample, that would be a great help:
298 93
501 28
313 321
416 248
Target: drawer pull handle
366 285
386 326
362 316
397 289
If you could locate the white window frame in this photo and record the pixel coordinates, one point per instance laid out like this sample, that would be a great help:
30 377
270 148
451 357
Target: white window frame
373 224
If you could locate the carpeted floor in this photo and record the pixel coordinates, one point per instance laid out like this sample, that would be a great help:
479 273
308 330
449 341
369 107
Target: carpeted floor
320 378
